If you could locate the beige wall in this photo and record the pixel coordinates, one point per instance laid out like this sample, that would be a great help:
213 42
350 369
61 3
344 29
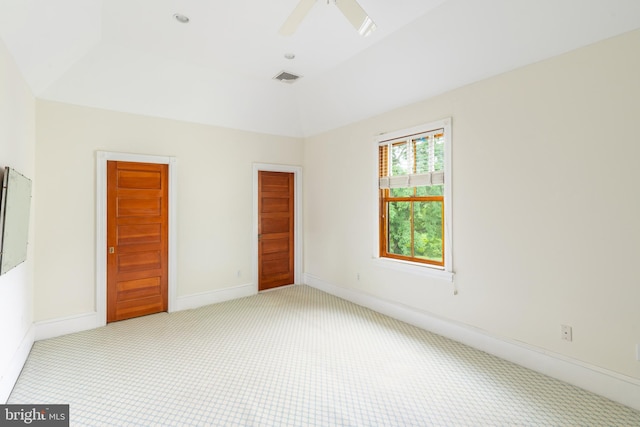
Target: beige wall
17 144
545 205
214 198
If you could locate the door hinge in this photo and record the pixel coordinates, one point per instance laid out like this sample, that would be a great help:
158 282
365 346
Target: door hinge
112 250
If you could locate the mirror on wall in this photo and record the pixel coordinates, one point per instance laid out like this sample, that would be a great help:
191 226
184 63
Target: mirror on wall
15 205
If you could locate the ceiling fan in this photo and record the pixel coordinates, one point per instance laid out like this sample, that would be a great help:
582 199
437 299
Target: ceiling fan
349 8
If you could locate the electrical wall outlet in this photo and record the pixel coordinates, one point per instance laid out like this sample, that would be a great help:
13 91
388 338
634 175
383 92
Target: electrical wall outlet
638 352
566 333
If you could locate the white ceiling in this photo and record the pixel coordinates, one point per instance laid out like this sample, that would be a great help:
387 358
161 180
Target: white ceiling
132 56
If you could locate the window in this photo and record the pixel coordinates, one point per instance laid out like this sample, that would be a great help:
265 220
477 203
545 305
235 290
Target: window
414 194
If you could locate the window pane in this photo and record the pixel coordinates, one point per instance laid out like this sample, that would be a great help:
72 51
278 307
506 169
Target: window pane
427 234
433 190
401 192
399 226
400 159
438 153
422 155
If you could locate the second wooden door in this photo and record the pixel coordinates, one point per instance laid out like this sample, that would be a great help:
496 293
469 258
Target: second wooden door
275 229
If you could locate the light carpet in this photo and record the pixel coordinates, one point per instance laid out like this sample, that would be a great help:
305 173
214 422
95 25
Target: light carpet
293 357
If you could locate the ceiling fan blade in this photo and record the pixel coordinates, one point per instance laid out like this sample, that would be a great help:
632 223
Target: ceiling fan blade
293 21
357 16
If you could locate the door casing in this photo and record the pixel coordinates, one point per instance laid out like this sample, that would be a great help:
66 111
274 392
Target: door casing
298 226
101 225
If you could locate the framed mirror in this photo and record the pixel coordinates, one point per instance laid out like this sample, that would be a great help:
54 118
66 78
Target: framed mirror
15 207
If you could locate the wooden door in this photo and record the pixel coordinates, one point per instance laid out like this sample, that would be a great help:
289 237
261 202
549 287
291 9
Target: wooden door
275 229
137 240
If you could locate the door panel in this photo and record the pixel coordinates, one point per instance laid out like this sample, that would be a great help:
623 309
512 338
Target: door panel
137 207
137 227
140 288
275 229
275 225
140 233
149 260
275 245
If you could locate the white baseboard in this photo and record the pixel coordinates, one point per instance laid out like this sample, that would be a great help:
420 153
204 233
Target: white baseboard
11 375
83 322
66 325
612 385
212 297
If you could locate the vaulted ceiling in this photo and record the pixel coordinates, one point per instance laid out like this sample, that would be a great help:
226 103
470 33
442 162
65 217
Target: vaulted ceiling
133 56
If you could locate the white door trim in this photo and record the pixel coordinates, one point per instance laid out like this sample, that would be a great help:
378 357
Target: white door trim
298 241
102 157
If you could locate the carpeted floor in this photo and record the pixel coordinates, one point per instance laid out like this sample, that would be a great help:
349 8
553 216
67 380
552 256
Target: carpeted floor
293 357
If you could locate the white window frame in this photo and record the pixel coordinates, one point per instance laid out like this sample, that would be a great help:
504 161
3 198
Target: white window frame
445 272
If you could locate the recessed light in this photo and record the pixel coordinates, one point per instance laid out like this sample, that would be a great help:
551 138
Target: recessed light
289 55
183 19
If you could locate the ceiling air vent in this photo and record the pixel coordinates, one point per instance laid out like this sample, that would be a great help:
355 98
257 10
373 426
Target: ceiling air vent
286 77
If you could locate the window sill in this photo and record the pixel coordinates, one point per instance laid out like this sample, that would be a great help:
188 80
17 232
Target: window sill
415 268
